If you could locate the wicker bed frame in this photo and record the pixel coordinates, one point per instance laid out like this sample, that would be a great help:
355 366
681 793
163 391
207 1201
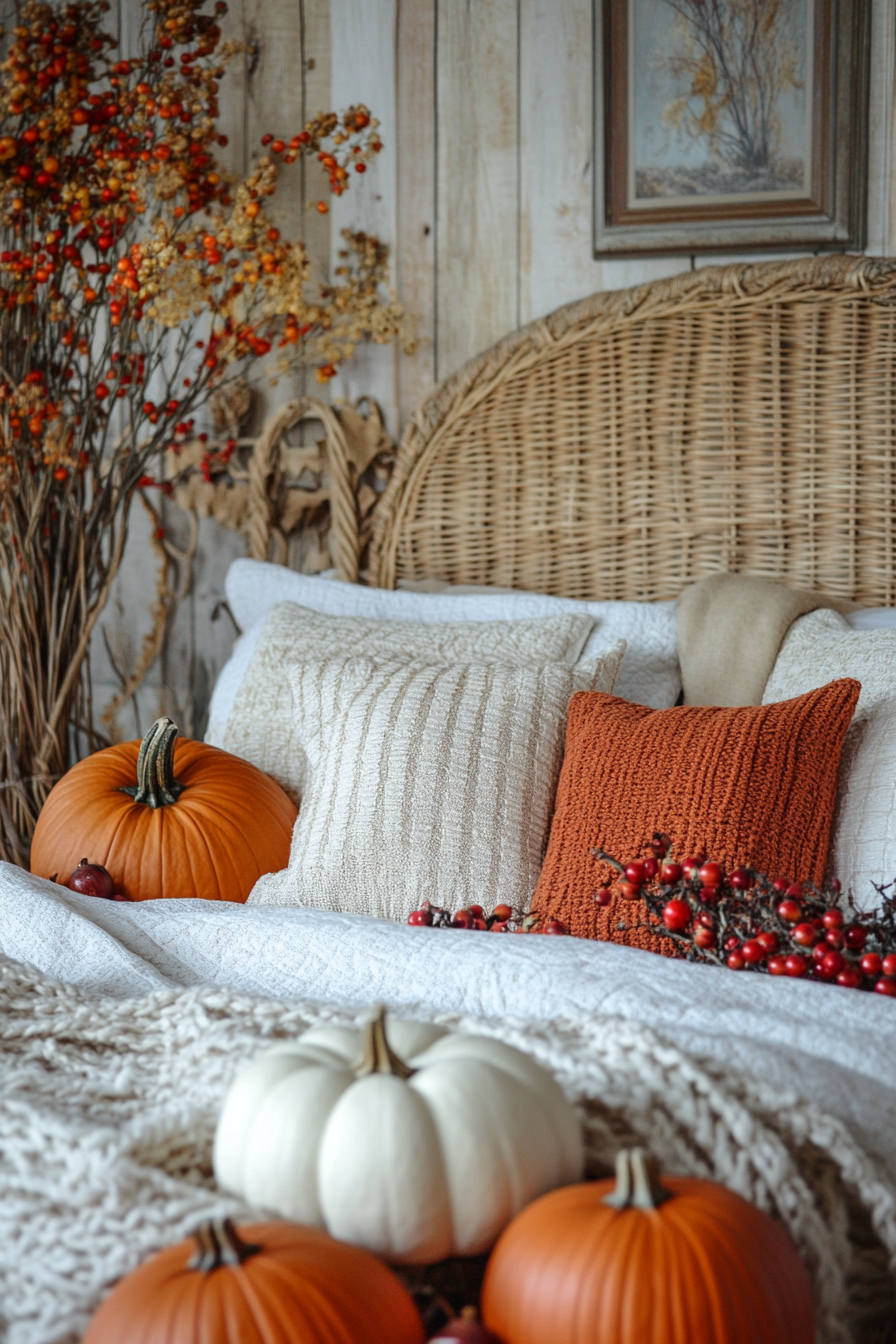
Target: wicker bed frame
739 418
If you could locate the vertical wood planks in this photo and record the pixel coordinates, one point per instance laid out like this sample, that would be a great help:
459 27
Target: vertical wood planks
415 239
363 41
556 92
477 282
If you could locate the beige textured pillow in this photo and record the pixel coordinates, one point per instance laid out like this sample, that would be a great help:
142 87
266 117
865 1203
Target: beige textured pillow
820 648
263 727
427 781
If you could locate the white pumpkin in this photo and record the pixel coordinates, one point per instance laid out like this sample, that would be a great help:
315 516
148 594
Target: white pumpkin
413 1161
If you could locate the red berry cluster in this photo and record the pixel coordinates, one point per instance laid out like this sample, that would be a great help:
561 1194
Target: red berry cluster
747 921
503 919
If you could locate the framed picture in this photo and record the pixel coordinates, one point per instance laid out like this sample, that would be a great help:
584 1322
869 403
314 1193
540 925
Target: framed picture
730 124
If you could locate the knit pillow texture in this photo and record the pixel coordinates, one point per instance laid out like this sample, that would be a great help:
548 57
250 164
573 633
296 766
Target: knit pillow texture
427 782
818 648
753 786
263 727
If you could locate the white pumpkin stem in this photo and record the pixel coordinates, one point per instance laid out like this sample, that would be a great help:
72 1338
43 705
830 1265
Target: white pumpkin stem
156 785
637 1182
379 1057
218 1243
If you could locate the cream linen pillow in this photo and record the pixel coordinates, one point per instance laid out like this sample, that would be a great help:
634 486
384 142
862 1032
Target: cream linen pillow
427 782
820 648
263 727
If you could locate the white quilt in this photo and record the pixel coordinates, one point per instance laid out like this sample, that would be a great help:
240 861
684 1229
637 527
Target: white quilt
832 1046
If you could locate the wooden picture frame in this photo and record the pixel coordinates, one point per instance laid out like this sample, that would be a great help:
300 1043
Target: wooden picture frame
722 127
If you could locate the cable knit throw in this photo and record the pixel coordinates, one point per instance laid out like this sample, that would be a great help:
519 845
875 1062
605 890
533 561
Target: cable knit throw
108 1110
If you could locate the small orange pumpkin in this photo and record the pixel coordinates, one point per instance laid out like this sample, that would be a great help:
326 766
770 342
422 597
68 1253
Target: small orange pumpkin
637 1262
267 1283
166 817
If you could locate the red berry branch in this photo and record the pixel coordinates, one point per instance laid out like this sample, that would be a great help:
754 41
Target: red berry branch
747 921
503 919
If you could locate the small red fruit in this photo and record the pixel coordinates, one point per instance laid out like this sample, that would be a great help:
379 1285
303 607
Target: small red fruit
462 920
636 873
889 966
630 890
795 891
477 911
855 937
836 886
499 926
871 964
834 938
91 879
735 961
790 911
819 952
805 935
420 917
709 895
796 964
704 937
670 873
781 884
768 942
603 896
479 924
886 985
777 965
555 926
752 951
832 963
677 916
832 919
711 874
691 867
732 943
651 868
502 913
741 879
850 978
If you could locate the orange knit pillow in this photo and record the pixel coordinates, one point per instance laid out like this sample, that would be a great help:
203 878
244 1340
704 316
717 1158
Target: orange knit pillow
753 786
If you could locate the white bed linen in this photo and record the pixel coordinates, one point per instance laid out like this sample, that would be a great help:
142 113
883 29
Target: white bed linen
649 674
833 1046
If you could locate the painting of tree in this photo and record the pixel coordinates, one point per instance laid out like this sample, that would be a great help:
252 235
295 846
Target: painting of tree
731 64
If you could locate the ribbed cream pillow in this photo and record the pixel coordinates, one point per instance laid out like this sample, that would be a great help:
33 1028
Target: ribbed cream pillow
263 727
822 647
427 782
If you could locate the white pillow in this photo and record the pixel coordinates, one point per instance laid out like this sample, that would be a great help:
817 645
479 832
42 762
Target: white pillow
872 618
650 674
263 727
820 648
426 782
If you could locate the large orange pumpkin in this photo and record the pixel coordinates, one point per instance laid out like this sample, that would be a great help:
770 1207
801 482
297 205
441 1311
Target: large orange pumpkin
636 1262
166 817
267 1283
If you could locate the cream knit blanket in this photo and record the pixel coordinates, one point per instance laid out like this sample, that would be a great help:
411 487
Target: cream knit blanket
108 1108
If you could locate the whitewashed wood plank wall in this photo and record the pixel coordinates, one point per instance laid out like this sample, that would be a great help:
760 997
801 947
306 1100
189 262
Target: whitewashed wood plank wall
483 191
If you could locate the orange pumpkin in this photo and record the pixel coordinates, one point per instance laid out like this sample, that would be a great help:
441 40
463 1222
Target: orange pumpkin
268 1283
166 817
636 1262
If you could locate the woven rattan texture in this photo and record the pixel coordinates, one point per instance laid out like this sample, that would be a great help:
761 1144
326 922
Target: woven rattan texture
740 418
753 786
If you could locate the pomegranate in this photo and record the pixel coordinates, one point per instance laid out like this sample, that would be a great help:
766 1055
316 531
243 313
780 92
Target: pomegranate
92 879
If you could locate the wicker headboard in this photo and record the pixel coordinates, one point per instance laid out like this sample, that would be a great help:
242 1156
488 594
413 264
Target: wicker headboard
739 418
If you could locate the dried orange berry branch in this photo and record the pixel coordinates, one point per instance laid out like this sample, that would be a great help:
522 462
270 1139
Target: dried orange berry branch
135 276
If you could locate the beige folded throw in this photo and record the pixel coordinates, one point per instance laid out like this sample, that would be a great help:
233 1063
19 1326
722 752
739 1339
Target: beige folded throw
730 628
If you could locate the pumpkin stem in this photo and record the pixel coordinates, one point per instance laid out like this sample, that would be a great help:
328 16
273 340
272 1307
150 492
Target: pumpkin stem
156 785
379 1057
218 1243
637 1182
